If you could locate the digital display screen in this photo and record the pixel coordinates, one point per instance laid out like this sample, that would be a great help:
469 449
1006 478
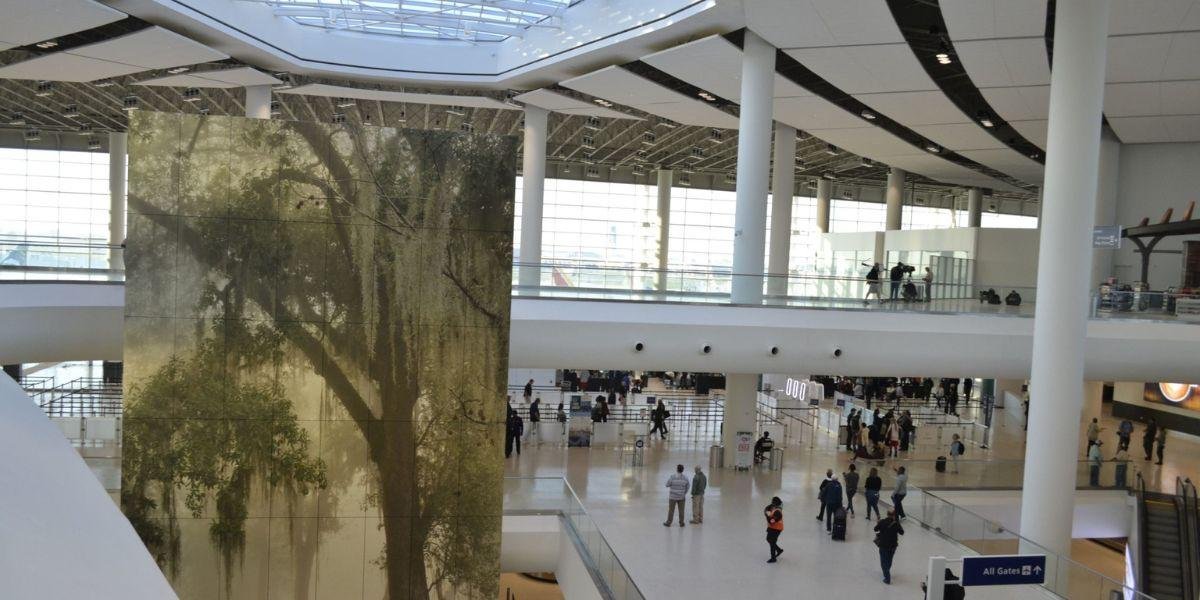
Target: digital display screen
1183 395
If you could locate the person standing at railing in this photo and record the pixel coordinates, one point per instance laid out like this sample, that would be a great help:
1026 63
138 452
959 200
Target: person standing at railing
1122 467
699 485
774 515
928 279
1148 437
678 485
871 489
1124 434
1093 435
900 492
1162 443
1094 462
873 282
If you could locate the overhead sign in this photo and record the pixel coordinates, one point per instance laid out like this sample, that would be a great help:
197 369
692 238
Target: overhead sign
1107 236
1004 570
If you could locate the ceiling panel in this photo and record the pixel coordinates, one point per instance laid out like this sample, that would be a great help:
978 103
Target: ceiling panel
335 91
27 22
815 113
940 169
915 108
1032 130
959 136
1145 130
999 63
714 64
866 69
1149 16
816 23
1136 57
562 103
142 50
1008 161
865 141
1024 103
223 78
624 87
984 19
1181 62
1132 99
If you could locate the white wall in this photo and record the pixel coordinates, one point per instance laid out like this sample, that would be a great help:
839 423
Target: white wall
1153 178
61 535
1007 259
42 322
1098 514
517 378
530 543
960 239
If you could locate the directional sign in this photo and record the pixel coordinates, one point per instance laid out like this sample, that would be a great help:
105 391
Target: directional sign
1004 570
1106 236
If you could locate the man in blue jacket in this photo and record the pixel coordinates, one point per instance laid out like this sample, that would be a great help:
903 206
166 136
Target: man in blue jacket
831 498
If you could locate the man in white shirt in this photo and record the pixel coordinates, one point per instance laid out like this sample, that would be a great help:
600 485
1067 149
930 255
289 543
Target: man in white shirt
678 484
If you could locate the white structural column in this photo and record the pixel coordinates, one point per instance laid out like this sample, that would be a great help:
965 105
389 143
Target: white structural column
741 401
1106 202
753 169
258 101
824 191
533 191
781 210
1064 268
664 225
118 142
895 198
974 207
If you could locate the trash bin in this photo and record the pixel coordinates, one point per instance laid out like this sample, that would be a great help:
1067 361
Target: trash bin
716 457
776 462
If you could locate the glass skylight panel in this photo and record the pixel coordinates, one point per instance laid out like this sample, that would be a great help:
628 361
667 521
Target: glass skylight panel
463 20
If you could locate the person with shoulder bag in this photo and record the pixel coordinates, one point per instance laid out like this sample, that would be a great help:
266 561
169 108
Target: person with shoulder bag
887 539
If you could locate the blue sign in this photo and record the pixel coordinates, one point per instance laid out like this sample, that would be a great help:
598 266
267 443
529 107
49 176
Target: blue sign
1004 570
1106 236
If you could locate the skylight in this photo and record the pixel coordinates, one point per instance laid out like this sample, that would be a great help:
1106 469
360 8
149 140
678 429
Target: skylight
463 20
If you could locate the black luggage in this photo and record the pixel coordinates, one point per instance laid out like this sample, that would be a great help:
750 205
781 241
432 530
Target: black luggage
940 465
839 524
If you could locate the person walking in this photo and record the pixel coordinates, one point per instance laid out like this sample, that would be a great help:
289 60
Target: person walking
1093 435
851 477
968 384
821 492
1124 433
957 448
510 427
1122 467
873 282
528 390
658 417
1148 437
1094 462
831 500
893 438
561 415
900 492
871 489
699 485
774 515
1162 443
678 486
535 416
887 538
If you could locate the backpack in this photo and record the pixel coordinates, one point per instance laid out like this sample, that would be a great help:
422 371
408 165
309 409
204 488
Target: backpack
960 448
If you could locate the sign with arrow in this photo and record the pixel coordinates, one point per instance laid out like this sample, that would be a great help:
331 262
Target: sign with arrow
1004 570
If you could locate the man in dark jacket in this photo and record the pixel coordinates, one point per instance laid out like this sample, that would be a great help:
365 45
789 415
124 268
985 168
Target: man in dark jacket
831 499
887 537
1148 438
895 275
821 492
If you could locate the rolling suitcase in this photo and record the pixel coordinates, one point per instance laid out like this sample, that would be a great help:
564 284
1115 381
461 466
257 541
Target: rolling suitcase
940 465
839 524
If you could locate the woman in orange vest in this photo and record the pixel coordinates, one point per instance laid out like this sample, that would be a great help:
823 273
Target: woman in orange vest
774 514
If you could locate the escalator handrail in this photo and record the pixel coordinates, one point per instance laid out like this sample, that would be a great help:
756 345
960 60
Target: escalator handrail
1186 509
1143 539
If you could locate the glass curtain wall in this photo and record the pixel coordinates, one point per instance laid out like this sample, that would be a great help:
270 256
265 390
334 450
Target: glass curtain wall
54 208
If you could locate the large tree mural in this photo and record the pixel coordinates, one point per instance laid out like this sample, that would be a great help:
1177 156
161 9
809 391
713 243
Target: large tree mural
316 345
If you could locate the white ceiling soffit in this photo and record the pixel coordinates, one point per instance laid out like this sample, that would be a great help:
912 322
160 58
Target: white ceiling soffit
224 78
562 103
624 87
714 64
1163 98
1023 103
335 91
143 50
915 108
1007 62
987 19
1007 160
1032 130
867 69
1144 130
819 23
940 169
959 136
27 22
1151 16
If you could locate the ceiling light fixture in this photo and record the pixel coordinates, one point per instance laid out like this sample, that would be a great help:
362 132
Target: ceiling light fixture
93 144
831 150
46 45
603 102
129 104
868 115
984 119
933 148
17 120
44 88
33 135
828 175
178 70
103 83
707 96
457 111
191 95
666 123
344 103
71 111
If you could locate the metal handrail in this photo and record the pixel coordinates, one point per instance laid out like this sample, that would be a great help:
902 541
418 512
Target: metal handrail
1186 509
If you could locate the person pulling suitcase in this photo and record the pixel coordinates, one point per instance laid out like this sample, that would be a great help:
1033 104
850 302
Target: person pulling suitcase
831 498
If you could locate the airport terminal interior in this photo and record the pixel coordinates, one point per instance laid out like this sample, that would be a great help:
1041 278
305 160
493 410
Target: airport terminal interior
599 299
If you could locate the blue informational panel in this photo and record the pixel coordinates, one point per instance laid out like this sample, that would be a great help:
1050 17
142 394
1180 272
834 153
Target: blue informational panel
1106 236
1004 570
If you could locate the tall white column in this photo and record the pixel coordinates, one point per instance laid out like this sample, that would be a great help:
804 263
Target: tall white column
753 169
1106 202
741 401
974 207
118 142
533 190
895 198
824 191
664 225
781 209
1064 267
258 101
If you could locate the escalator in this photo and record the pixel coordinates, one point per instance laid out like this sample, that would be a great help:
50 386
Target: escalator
1168 528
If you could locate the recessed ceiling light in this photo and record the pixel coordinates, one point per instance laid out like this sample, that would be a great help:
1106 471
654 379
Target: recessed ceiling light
1035 155
831 150
71 111
457 111
933 148
178 70
191 95
17 120
828 175
46 45
344 103
603 102
130 103
93 144
103 83
44 88
33 135
868 115
984 119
